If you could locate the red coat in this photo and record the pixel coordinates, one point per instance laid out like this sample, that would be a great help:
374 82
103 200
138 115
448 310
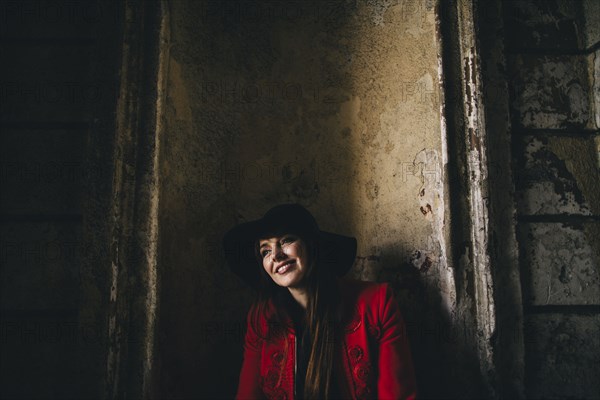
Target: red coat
374 356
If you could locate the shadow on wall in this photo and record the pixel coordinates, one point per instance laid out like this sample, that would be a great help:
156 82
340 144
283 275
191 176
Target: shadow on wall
271 102
443 356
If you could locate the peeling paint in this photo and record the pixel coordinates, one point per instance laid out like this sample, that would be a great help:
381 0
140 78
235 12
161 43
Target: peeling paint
430 195
563 263
477 198
551 91
447 279
594 65
558 175
135 206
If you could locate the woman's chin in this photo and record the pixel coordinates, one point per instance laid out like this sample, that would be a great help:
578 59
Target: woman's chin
289 280
285 282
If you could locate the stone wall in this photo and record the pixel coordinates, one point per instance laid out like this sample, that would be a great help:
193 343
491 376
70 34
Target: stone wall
335 105
135 134
57 95
552 52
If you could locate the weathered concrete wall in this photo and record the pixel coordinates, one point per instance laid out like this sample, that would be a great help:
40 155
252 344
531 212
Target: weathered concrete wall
562 351
562 261
550 91
557 175
538 24
551 71
508 341
335 105
56 101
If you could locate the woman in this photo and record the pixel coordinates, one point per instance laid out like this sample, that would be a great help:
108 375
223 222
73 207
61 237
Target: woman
312 335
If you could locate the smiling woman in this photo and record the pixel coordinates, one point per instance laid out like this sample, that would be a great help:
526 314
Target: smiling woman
312 334
284 259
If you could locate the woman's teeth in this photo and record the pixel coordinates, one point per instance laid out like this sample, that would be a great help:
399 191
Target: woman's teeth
283 269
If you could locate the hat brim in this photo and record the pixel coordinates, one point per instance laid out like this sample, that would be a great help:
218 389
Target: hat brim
335 252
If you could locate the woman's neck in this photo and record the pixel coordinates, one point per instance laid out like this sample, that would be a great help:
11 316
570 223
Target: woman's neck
300 295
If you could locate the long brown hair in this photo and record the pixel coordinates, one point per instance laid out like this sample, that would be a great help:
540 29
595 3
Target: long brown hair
320 317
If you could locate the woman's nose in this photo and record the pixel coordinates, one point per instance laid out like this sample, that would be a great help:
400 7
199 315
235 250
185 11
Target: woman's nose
278 253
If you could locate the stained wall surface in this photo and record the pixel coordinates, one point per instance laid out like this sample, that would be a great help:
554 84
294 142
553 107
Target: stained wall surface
552 54
334 105
56 98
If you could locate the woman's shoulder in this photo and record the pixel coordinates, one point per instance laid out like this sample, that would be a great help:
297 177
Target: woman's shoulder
265 322
262 311
363 301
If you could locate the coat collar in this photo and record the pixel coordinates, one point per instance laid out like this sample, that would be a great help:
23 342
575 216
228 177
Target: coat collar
348 315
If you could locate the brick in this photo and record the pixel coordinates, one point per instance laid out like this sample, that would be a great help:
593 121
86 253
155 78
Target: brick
41 171
556 175
549 91
562 354
546 24
591 14
560 263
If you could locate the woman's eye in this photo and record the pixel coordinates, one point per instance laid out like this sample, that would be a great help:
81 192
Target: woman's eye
265 253
288 239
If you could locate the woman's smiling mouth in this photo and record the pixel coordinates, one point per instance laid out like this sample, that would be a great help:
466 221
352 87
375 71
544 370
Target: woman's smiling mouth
282 269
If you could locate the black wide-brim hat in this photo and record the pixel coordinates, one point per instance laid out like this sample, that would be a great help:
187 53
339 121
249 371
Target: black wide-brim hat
333 251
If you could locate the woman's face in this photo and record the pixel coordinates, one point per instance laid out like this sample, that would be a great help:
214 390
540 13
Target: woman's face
285 259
